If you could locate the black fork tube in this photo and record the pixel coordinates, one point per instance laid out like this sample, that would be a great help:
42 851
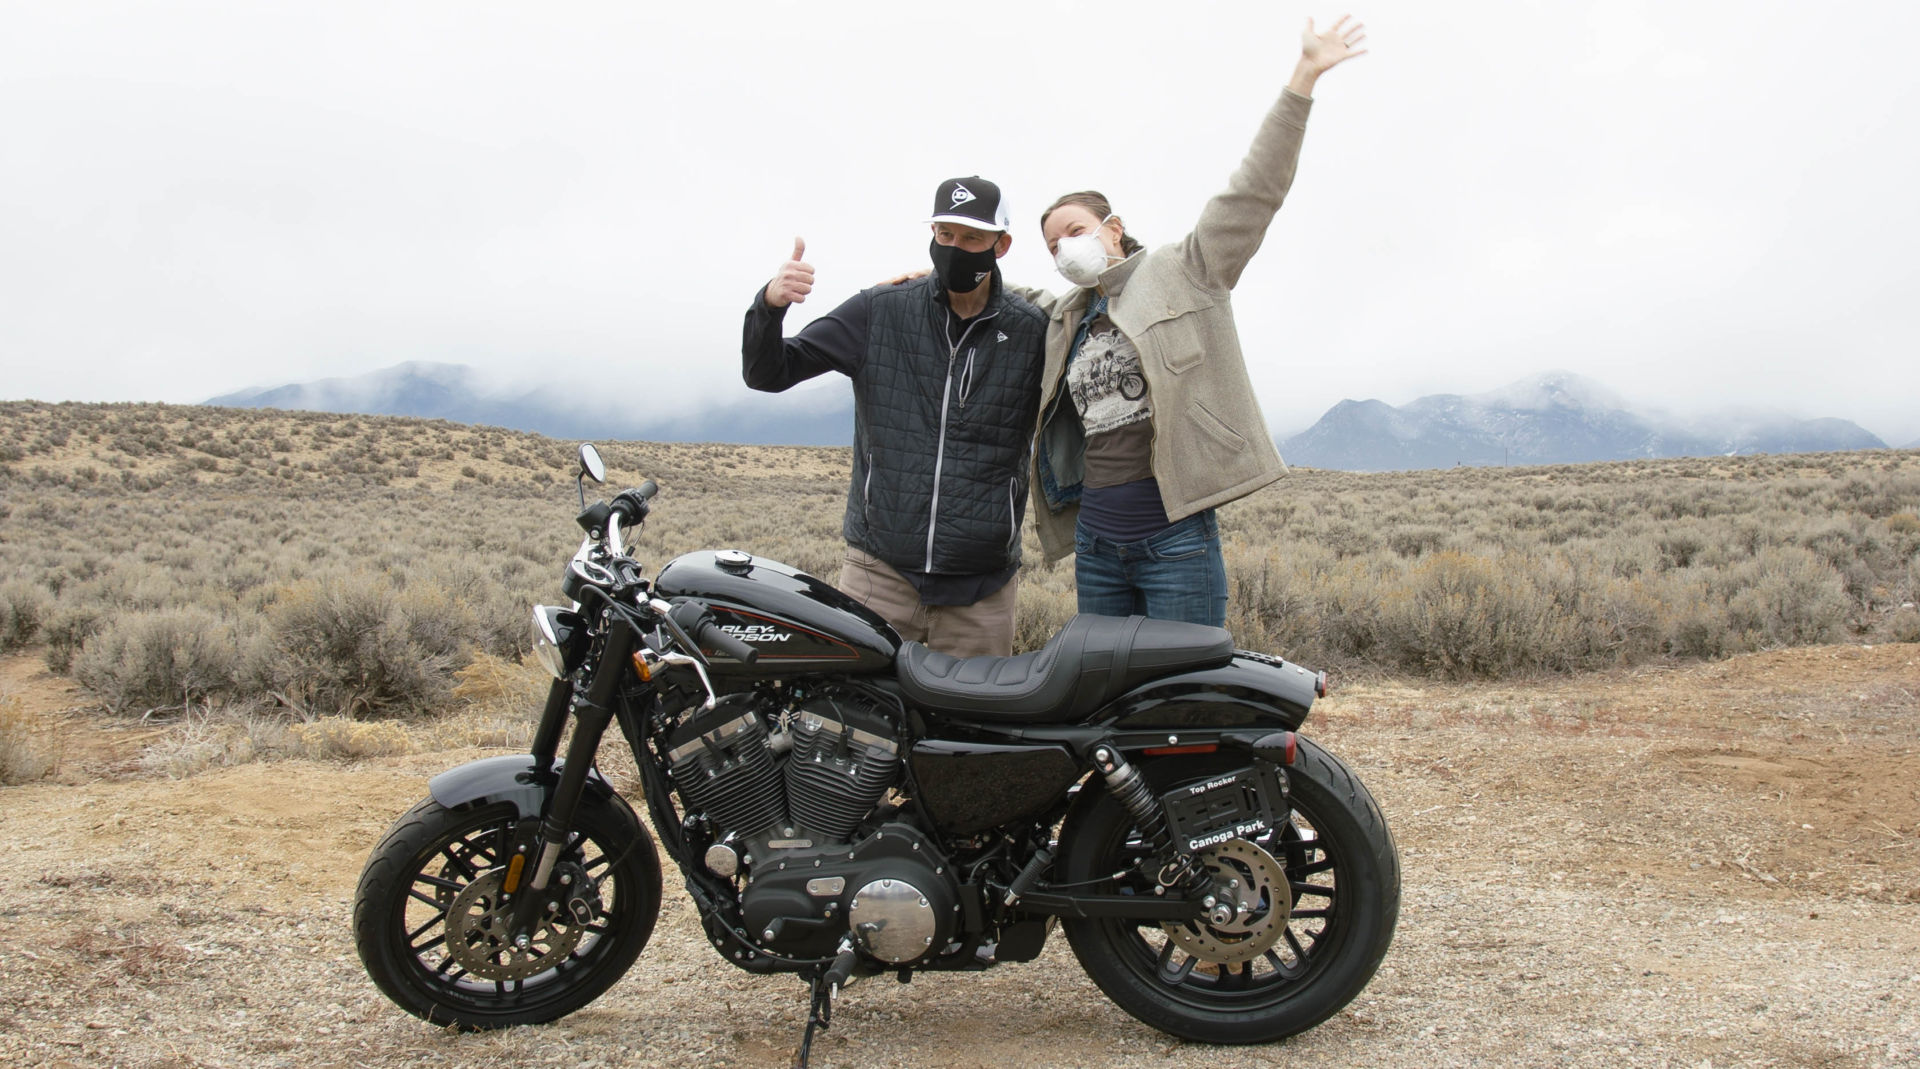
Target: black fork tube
553 721
591 716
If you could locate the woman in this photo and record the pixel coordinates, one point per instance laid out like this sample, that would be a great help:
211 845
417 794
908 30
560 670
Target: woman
1148 421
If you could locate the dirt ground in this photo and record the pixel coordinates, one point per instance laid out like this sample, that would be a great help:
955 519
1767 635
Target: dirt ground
1711 864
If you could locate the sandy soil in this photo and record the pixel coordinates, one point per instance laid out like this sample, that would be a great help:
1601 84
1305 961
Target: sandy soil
1704 865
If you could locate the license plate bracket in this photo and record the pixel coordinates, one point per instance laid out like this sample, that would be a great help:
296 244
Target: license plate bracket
1242 804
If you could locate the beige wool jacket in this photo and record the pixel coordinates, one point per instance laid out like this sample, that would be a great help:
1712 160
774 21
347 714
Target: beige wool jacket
1210 442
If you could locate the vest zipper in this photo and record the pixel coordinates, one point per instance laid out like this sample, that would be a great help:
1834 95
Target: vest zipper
940 452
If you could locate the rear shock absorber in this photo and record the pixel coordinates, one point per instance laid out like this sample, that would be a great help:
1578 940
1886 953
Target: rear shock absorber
1181 872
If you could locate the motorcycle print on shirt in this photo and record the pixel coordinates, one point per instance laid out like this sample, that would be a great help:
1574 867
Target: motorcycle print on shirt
1105 383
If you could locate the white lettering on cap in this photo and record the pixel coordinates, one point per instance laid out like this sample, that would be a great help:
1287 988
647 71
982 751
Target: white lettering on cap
961 195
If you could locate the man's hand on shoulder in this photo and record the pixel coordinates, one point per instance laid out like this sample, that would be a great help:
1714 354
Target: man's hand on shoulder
793 281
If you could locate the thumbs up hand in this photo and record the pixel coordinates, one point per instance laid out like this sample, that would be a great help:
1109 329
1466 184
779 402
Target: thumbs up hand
793 281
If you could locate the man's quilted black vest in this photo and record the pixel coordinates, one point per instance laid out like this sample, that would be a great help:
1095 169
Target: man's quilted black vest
942 432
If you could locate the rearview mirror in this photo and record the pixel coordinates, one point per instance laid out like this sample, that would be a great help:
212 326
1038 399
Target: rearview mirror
590 463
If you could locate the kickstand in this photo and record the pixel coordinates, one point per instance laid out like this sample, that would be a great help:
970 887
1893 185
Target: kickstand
826 985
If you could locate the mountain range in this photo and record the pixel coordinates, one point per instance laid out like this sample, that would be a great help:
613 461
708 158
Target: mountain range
822 416
1552 418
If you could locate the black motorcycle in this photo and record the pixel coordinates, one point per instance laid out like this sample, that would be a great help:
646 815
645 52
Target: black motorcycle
841 803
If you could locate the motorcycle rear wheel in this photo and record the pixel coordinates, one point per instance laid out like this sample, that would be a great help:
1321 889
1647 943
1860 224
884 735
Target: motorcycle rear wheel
1343 872
429 886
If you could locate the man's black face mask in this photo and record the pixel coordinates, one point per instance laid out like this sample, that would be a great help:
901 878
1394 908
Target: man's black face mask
959 270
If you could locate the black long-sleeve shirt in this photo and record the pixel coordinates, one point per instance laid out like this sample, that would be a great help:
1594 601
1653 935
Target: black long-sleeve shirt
837 341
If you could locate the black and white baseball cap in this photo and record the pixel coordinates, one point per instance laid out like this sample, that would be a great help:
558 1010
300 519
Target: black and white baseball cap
971 201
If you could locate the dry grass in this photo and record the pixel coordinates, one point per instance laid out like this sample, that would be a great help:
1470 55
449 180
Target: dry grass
26 752
373 567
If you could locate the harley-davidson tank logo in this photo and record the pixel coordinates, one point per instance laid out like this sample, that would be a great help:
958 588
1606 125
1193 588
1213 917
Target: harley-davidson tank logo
756 632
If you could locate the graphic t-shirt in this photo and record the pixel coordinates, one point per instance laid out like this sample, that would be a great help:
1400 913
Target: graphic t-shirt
1120 499
1116 414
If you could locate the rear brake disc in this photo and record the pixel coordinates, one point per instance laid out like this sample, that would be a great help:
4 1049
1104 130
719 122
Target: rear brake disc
1253 886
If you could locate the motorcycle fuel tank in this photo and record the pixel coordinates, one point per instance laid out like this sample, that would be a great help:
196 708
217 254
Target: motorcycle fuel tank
798 624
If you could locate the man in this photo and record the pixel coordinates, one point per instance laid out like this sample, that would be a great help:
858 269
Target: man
946 388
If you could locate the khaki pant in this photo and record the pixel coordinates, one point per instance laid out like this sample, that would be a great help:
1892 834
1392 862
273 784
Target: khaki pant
984 627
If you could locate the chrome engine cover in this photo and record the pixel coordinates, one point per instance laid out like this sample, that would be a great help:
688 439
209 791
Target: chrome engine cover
893 920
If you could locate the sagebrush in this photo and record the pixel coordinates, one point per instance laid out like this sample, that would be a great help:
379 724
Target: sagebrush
178 557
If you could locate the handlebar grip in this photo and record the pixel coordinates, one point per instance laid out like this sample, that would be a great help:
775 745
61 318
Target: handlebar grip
710 632
632 505
699 624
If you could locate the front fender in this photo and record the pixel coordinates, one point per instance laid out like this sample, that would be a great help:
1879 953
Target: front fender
1252 690
510 778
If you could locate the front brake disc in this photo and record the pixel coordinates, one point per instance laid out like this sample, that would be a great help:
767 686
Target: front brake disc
478 919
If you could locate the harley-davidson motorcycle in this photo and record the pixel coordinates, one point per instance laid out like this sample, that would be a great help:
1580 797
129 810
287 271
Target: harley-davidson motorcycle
841 804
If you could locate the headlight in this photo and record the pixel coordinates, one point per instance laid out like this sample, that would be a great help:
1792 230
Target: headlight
552 634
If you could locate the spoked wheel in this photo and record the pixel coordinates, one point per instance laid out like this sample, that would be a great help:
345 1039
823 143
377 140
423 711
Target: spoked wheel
1305 913
431 921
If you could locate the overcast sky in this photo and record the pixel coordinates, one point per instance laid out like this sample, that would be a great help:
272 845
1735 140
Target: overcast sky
1699 205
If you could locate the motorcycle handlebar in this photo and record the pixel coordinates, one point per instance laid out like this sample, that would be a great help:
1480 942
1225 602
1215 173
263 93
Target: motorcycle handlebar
629 507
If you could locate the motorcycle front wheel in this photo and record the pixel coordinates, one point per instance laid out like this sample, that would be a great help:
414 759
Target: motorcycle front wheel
430 915
1336 908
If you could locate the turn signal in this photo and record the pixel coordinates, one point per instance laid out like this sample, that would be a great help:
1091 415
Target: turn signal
641 668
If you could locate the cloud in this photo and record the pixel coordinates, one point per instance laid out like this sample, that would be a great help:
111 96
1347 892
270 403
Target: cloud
1672 202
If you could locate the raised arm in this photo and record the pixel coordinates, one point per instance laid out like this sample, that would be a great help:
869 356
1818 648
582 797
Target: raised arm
1321 52
836 341
1234 223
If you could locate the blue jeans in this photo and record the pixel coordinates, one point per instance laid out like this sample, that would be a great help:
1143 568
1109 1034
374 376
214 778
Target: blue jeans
1177 574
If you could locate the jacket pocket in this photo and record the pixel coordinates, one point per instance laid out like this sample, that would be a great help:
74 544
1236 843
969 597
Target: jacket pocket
1215 427
1176 331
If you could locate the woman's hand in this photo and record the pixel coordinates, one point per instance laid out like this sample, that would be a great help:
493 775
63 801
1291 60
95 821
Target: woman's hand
1322 51
905 276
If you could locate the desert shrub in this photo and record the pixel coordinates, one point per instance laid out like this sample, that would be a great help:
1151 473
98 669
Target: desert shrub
1624 622
1462 616
1680 545
211 738
355 644
25 754
493 682
68 627
1416 540
164 659
338 738
23 609
1272 602
1786 596
1040 612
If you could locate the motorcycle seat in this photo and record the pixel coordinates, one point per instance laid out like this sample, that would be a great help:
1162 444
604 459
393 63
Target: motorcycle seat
1093 660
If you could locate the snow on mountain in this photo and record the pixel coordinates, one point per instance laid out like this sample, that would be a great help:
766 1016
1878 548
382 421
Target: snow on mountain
1552 418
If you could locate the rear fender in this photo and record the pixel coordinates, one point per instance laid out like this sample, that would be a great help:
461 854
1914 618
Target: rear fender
1251 691
512 778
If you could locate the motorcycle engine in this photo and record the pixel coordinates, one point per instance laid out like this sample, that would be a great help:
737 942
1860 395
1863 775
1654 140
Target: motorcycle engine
786 790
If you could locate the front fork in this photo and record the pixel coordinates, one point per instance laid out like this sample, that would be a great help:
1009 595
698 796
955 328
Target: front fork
591 713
